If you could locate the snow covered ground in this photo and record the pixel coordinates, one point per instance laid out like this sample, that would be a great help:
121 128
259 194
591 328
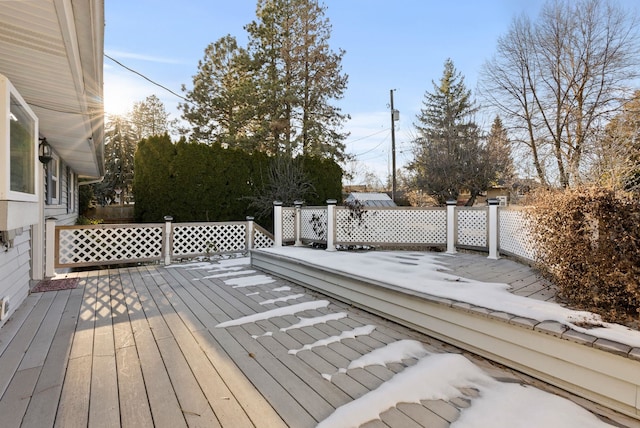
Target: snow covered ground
435 375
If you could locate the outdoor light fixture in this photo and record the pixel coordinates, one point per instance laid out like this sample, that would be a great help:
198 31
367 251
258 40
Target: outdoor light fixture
44 151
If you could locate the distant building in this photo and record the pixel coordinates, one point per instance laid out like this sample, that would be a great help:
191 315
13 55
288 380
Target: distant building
371 199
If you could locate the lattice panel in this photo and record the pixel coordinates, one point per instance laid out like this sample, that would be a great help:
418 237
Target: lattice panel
472 227
261 240
103 245
514 234
288 224
209 238
314 224
392 226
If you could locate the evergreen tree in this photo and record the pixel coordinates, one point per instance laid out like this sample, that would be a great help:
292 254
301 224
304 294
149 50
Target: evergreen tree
449 156
499 153
220 107
120 148
297 76
149 117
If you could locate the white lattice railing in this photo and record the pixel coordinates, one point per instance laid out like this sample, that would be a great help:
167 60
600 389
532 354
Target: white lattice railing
105 244
191 239
408 226
91 245
472 228
514 234
313 224
288 224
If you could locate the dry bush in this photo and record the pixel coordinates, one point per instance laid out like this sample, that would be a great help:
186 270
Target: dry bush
588 244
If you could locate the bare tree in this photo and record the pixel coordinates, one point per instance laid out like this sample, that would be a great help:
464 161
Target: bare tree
617 162
560 79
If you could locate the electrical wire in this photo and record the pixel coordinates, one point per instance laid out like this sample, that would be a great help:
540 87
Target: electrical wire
146 78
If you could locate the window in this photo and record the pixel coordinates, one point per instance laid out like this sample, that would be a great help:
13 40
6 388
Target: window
21 148
19 168
53 182
71 191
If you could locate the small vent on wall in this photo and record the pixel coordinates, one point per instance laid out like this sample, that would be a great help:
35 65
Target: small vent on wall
4 308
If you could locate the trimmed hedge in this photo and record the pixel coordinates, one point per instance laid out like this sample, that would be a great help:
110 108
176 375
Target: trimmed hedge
198 182
588 244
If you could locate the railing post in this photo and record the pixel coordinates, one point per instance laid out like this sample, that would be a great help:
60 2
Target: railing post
277 223
331 224
451 230
249 244
298 205
493 229
50 248
168 230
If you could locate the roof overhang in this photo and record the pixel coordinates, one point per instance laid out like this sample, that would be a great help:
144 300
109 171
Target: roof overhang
52 52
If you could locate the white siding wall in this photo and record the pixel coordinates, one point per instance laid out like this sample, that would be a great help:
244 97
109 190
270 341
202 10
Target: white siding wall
15 271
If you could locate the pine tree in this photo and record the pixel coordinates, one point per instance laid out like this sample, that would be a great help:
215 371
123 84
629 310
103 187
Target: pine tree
120 148
449 156
149 117
289 47
499 153
220 107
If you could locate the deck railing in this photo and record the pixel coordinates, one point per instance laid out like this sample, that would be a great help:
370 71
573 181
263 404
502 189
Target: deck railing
104 244
492 228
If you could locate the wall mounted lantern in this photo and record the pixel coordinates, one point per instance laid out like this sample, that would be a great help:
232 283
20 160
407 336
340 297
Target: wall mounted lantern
44 151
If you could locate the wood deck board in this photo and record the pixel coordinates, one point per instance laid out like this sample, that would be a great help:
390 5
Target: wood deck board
44 401
137 347
163 403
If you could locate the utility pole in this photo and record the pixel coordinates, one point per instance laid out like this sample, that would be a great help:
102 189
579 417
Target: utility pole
395 115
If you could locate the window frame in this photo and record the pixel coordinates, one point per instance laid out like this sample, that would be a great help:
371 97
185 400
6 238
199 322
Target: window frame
9 95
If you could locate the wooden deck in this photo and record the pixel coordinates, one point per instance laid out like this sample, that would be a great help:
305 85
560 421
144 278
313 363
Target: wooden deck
138 347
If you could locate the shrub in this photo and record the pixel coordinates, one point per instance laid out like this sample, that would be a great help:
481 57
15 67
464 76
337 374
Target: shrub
588 244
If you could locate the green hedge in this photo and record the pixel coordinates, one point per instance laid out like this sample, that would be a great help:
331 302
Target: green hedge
198 182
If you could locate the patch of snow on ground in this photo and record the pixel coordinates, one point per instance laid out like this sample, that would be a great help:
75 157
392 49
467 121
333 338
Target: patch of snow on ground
266 334
394 352
253 294
306 322
277 312
229 273
283 288
351 334
249 281
428 275
282 299
440 377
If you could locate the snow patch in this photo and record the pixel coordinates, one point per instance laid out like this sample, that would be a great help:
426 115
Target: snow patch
278 312
306 322
249 281
284 288
229 273
282 299
441 376
394 352
351 334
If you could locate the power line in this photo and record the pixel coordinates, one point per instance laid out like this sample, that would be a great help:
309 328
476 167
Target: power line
367 136
146 78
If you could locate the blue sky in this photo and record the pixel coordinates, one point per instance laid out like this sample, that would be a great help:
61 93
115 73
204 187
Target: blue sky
399 45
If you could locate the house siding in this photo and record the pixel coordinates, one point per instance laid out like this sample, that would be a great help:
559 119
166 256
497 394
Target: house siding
15 268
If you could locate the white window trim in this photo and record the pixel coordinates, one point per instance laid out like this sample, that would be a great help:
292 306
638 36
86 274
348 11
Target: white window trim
53 172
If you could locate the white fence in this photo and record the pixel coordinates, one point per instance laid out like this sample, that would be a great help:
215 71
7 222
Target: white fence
103 244
450 227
